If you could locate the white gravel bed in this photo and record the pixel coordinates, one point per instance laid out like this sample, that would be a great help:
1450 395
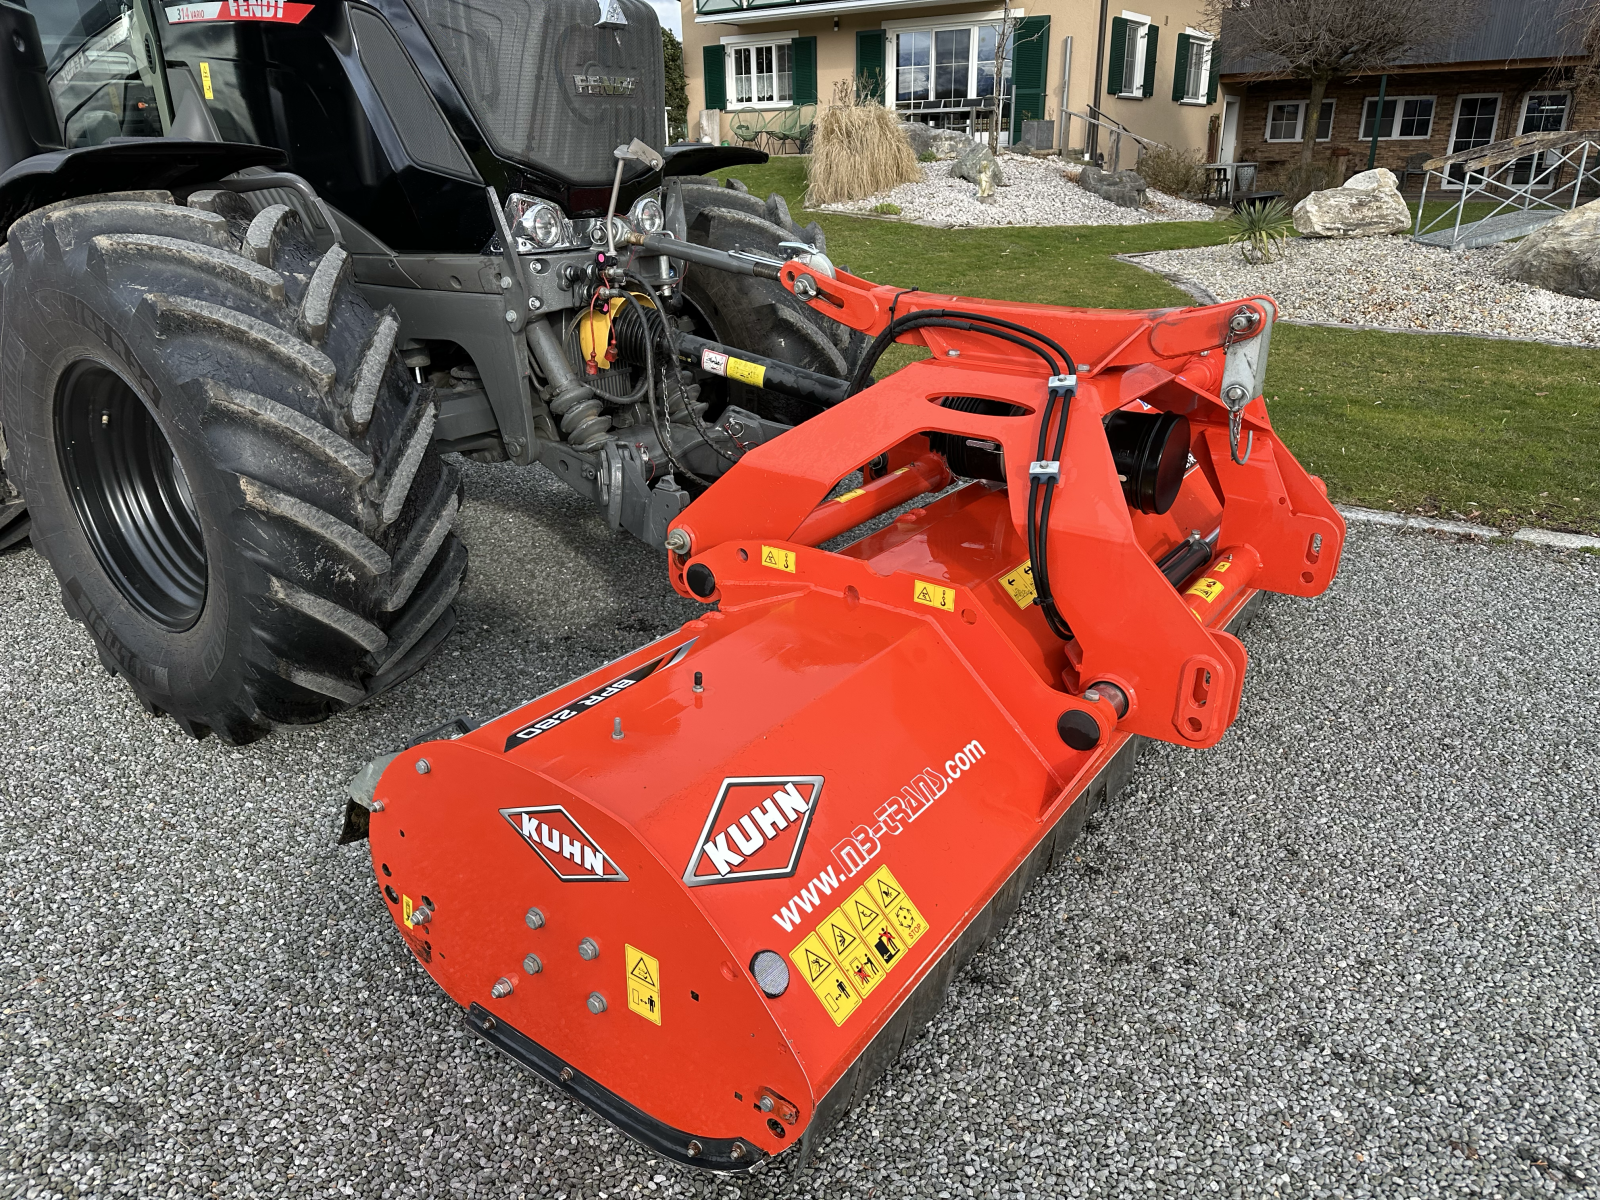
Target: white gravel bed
1036 192
1393 282
1350 951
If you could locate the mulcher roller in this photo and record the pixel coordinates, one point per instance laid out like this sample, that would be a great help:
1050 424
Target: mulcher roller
712 888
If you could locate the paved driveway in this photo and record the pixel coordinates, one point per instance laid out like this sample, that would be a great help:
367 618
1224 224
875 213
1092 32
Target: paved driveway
1350 951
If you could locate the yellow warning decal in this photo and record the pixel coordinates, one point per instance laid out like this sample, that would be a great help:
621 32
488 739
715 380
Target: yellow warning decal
205 80
1222 566
850 495
746 372
405 908
902 915
778 558
881 939
850 951
934 595
1206 589
819 970
643 982
1019 584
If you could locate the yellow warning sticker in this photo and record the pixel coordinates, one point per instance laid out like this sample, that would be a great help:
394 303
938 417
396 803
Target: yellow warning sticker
902 915
405 908
1019 584
1222 566
205 80
850 495
746 372
778 558
934 595
643 982
881 939
861 966
1206 589
827 981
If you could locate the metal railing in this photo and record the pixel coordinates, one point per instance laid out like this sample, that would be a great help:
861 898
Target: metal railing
1559 167
1112 126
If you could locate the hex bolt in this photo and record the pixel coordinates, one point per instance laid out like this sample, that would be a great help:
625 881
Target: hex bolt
737 1152
535 304
805 287
511 316
375 806
501 988
678 541
532 965
422 766
505 283
616 729
765 1104
597 1003
693 1149
421 915
535 919
588 949
1235 393
566 1074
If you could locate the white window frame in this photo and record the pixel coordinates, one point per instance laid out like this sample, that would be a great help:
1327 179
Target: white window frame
932 25
1198 38
1144 23
1522 106
750 41
1455 117
1334 116
1299 121
1399 108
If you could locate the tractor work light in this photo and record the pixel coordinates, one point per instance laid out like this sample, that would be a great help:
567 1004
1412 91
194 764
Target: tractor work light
646 215
540 221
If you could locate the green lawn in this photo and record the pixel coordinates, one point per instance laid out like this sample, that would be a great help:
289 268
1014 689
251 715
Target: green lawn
1509 431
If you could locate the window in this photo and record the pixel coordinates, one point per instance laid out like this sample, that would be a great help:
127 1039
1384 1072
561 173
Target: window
762 74
1285 117
1197 79
1474 127
949 68
1403 117
1133 55
1325 121
1542 112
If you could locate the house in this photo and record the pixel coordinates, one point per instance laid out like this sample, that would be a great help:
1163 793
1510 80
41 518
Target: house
1509 73
1152 72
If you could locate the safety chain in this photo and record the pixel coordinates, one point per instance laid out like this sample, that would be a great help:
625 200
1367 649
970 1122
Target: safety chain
1237 396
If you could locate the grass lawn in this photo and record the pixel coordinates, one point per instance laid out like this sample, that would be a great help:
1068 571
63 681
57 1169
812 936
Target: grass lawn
1505 431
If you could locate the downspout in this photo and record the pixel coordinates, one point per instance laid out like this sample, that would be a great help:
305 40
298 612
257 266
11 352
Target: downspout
1092 142
1377 119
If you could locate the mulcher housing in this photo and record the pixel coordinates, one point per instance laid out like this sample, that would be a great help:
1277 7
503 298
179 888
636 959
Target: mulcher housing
712 888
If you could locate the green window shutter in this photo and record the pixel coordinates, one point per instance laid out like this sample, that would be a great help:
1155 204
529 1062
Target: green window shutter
1119 48
716 64
1211 86
869 61
1180 67
1030 59
804 55
1150 33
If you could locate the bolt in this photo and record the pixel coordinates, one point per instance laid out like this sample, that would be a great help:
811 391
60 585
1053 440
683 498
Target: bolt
805 287
511 316
678 541
421 915
566 1074
597 1003
532 965
693 1149
501 988
505 283
616 729
1243 320
375 806
952 354
765 1104
535 304
535 919
1235 393
699 682
737 1152
587 949
422 766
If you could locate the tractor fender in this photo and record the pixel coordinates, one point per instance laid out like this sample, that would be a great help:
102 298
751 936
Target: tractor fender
122 164
697 158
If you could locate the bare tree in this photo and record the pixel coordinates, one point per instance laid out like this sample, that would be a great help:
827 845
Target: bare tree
1324 40
1008 26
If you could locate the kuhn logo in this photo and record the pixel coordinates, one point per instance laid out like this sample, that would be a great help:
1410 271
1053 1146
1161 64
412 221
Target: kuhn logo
755 830
563 844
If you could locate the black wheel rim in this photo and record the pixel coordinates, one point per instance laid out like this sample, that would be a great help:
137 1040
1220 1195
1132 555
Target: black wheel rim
131 494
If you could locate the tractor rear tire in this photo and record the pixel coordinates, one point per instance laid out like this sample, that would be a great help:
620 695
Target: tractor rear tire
230 475
760 315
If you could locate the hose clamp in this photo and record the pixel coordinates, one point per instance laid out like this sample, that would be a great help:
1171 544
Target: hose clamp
1062 386
1045 471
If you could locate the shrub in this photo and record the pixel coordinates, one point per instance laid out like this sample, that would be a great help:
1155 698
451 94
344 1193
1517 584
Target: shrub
887 209
857 150
927 156
1259 229
1175 172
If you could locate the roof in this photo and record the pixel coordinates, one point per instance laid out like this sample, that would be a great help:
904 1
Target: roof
1506 31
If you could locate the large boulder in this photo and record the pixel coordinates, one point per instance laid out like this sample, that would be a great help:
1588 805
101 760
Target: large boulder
1367 205
1562 255
970 165
941 143
1124 188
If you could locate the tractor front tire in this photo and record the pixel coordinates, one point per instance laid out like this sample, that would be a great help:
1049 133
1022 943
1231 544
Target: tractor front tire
233 481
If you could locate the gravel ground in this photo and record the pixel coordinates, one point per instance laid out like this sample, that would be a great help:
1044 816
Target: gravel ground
1350 951
1393 282
1036 192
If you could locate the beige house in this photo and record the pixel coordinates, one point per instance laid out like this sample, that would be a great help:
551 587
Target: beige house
1152 72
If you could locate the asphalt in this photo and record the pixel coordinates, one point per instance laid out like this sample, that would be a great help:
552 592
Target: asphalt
1350 951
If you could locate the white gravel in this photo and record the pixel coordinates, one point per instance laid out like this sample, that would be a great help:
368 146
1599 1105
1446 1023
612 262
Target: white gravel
1349 951
1037 191
1392 282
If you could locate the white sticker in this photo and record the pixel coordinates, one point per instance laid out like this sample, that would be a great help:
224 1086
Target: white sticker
713 362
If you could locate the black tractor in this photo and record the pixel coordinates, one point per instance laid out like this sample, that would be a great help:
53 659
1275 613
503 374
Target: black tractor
267 261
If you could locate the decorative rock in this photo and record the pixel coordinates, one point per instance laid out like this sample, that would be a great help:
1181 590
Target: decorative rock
1125 188
1562 255
970 163
1367 205
941 143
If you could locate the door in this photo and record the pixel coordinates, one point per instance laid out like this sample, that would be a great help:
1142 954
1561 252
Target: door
1542 112
1474 126
1230 128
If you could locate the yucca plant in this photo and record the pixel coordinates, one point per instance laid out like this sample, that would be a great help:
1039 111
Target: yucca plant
1260 229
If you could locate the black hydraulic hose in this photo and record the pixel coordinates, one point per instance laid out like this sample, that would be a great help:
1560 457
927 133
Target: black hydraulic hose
863 372
650 392
672 350
913 320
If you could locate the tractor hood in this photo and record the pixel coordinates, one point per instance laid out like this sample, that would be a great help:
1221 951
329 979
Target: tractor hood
556 85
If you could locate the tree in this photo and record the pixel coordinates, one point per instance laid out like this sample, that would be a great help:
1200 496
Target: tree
677 86
1324 40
